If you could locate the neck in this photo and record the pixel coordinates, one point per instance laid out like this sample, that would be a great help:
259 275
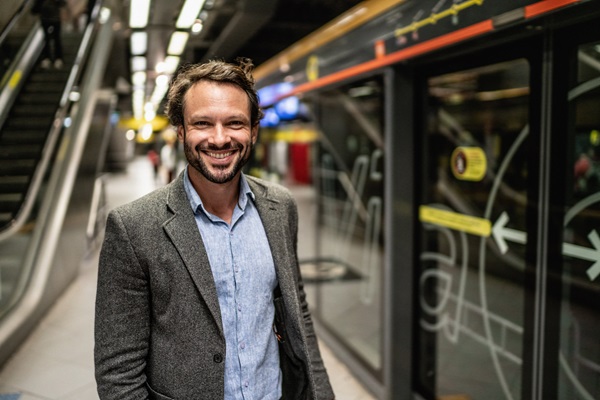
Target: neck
219 199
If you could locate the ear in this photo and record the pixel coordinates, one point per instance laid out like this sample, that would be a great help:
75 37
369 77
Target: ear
180 134
254 134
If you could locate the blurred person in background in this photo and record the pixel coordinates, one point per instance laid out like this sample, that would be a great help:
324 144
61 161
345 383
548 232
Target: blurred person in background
51 19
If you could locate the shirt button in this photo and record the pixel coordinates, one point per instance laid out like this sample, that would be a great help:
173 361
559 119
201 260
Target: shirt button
218 358
246 384
243 346
240 308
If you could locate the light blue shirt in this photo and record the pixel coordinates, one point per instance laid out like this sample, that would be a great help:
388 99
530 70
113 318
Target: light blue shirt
244 274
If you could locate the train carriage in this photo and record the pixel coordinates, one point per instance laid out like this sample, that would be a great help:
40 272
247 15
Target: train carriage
448 153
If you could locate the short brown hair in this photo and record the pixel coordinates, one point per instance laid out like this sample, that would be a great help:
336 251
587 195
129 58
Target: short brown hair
238 73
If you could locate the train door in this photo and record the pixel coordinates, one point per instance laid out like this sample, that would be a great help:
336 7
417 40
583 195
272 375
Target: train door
477 214
508 270
577 352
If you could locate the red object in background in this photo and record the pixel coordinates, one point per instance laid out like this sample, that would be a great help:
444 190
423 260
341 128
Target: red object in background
299 154
582 166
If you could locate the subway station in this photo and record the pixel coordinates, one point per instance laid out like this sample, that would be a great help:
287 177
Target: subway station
443 157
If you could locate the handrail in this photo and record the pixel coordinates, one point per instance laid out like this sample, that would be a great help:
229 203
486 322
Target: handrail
13 21
11 82
23 214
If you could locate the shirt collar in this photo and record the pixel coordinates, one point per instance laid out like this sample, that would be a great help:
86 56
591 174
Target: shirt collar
196 202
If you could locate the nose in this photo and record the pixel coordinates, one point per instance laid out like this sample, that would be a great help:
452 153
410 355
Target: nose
219 137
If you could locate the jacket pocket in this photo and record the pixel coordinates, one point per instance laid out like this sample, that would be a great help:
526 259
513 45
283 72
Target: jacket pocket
154 395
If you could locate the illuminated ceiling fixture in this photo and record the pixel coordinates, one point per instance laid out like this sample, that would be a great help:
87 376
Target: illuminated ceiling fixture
138 63
189 13
139 43
171 64
138 79
138 13
197 27
177 43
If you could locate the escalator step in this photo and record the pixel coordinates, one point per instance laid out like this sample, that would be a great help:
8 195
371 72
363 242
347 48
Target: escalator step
10 202
5 218
26 111
44 87
39 98
28 123
43 76
17 167
20 151
13 184
8 137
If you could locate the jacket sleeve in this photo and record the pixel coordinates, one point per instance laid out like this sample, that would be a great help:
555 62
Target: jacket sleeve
322 386
122 317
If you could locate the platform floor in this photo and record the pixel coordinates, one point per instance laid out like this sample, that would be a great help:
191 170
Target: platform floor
56 361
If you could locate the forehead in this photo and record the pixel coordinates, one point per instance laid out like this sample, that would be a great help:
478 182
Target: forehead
210 95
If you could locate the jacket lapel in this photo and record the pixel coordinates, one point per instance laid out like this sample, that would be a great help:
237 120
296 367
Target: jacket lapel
184 234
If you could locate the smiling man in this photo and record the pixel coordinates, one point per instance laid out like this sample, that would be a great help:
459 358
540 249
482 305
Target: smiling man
199 291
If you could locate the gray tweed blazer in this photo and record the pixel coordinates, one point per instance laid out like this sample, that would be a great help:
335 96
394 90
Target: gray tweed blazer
158 331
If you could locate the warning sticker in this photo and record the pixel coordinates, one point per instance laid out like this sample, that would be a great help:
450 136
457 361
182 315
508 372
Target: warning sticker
460 222
469 163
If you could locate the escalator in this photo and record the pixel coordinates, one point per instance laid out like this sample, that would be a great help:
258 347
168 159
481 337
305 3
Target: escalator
26 129
52 126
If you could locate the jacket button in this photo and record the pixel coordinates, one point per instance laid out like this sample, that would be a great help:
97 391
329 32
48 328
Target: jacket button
218 358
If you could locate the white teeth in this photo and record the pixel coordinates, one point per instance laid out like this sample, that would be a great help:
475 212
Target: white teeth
220 155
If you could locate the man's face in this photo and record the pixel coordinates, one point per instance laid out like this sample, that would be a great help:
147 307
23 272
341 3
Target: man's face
218 137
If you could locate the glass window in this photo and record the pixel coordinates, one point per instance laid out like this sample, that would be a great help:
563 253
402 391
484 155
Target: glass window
348 262
471 297
579 355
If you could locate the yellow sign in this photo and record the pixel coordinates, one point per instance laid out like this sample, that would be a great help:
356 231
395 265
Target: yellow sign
460 222
469 163
14 79
312 68
158 123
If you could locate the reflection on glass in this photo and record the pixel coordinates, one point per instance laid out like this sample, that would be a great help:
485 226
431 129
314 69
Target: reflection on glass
349 183
470 281
579 356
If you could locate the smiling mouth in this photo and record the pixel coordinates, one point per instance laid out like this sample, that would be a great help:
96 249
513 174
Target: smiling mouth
219 155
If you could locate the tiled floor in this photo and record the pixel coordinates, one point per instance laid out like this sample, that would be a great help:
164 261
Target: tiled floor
56 361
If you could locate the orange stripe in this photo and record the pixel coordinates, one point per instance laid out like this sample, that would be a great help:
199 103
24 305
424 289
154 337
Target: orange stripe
545 6
433 44
425 47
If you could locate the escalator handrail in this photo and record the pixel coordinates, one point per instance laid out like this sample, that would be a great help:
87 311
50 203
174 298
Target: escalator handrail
49 148
13 21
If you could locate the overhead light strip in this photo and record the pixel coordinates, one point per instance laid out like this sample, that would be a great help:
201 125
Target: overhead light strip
139 43
177 43
139 12
189 13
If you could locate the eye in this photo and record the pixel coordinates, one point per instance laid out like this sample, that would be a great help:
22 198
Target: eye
201 124
237 124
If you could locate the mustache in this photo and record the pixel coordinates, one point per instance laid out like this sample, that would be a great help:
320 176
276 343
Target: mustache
226 147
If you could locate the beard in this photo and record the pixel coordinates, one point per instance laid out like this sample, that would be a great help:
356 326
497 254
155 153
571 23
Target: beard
218 174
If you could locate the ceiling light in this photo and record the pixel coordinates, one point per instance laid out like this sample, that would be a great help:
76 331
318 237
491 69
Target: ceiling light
138 79
138 13
177 43
189 13
137 100
197 27
171 64
139 43
138 63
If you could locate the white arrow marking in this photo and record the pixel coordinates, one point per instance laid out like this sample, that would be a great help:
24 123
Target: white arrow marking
501 233
586 253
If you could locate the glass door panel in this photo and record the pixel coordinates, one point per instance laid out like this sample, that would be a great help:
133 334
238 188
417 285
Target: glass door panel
579 354
349 179
471 296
